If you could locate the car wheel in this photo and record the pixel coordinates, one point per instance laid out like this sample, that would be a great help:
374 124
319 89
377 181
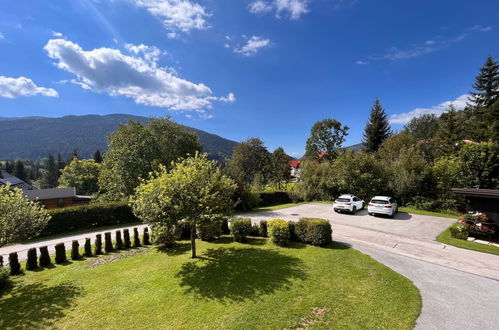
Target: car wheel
391 215
354 210
370 213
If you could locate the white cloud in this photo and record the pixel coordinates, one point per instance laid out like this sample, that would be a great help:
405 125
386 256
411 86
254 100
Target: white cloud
15 87
252 46
107 70
362 62
2 36
57 34
481 28
292 9
176 15
404 118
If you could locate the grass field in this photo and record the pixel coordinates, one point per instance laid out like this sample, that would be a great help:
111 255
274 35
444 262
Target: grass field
446 238
423 212
231 286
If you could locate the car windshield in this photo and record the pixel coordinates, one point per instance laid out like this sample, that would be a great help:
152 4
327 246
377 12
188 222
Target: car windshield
343 200
379 201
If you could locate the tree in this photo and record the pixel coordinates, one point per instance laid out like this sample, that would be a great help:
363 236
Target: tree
49 173
9 167
60 162
19 170
97 156
280 166
480 165
82 174
250 162
195 191
326 138
377 129
136 149
20 218
424 127
486 85
74 155
450 132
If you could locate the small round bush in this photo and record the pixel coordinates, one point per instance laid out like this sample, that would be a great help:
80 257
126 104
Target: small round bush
60 253
87 247
75 250
459 231
314 231
98 244
119 241
263 228
136 239
278 230
225 227
292 231
255 230
15 266
240 228
44 257
4 276
32 260
108 242
210 231
165 236
126 239
145 236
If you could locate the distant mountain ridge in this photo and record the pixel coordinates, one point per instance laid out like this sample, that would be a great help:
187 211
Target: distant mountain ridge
35 137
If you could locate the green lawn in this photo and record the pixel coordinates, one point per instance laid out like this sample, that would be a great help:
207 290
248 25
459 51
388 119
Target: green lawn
231 286
435 214
446 238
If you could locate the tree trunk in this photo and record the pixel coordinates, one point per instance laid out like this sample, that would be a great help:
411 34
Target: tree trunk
193 240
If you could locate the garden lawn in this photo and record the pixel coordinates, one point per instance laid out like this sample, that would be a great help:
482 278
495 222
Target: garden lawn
231 286
446 238
423 212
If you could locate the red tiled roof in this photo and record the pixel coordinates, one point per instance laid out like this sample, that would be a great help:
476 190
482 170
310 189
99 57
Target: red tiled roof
295 163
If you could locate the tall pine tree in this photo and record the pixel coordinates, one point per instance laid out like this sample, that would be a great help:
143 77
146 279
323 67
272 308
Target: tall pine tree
450 132
50 173
19 170
486 85
377 129
98 156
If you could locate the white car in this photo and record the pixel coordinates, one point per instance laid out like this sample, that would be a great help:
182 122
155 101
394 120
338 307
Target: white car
382 205
348 203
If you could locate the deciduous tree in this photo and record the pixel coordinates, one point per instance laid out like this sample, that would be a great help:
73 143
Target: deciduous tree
326 138
81 174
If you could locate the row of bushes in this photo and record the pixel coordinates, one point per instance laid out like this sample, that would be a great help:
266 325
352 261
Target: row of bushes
248 200
88 216
34 262
312 231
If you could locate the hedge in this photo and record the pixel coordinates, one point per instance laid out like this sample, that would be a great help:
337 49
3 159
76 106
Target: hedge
75 250
279 231
314 231
88 216
240 228
263 228
60 253
88 247
15 266
126 237
119 241
274 198
98 244
32 260
44 257
108 242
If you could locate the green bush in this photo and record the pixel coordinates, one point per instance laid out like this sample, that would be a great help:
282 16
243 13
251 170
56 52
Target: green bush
60 253
126 238
225 227
314 231
98 244
44 257
184 230
87 247
119 241
209 232
240 228
459 231
165 236
108 242
145 236
255 230
274 198
75 250
4 276
15 266
136 239
32 260
279 231
88 216
292 231
263 228
1 261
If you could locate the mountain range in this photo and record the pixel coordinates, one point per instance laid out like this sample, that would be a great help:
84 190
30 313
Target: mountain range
35 137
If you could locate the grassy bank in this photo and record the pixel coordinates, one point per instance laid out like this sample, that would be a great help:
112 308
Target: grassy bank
431 213
446 238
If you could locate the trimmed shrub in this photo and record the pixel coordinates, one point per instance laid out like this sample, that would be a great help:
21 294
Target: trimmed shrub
263 228
108 242
15 266
145 236
165 236
459 231
88 247
4 276
32 260
225 227
314 231
88 216
119 241
240 228
210 231
279 231
126 238
60 253
292 231
255 230
1 261
184 230
98 244
44 257
274 198
136 239
75 250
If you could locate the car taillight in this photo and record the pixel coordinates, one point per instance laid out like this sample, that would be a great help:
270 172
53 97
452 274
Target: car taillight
349 203
371 204
388 206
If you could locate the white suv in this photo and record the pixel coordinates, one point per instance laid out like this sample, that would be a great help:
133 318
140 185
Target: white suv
382 205
348 203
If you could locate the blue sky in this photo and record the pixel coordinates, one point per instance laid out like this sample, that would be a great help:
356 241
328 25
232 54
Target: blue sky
264 68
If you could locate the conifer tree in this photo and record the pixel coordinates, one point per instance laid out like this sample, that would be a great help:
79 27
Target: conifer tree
50 173
450 131
60 162
377 129
19 170
98 156
486 85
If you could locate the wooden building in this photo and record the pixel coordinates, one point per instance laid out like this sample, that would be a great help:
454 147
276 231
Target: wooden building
481 200
56 197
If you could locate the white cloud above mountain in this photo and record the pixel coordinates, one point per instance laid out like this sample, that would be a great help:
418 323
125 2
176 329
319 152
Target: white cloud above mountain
137 76
17 87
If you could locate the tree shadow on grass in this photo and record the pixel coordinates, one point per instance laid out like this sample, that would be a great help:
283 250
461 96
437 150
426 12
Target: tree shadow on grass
176 250
240 273
35 306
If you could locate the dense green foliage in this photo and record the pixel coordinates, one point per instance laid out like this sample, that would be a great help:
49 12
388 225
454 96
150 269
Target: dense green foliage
4 276
326 138
118 240
210 231
32 259
278 232
98 244
314 231
20 218
14 265
88 216
136 239
459 231
126 239
87 248
377 129
250 163
240 228
44 257
60 253
280 167
81 174
108 242
75 250
145 236
263 228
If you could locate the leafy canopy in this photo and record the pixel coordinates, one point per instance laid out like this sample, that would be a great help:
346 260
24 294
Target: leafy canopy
326 138
81 174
